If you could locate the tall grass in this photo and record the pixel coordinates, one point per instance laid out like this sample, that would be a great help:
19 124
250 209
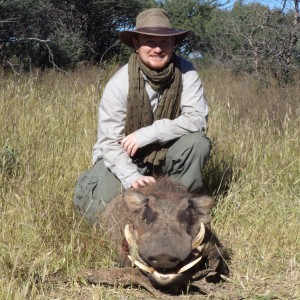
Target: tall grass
48 128
258 211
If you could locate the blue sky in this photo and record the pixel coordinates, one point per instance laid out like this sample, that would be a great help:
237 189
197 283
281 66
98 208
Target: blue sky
269 3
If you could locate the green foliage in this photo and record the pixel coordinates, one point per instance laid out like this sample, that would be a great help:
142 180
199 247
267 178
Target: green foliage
9 161
36 34
44 33
59 34
192 15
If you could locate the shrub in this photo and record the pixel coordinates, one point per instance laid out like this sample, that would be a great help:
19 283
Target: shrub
9 161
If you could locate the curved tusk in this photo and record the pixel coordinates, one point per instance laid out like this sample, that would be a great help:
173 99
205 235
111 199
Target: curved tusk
142 266
129 237
164 279
160 278
188 266
199 238
154 272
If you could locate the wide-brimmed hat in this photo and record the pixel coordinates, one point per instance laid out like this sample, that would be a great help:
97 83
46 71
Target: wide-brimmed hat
153 21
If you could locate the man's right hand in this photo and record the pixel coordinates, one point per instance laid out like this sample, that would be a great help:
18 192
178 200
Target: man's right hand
143 181
129 144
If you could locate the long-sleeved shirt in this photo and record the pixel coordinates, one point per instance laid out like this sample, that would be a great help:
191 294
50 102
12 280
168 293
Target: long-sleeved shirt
112 114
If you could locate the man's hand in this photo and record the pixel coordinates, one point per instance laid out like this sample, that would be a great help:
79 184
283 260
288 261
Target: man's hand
143 181
129 144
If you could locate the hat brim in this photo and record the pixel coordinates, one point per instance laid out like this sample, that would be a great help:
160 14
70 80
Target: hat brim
126 36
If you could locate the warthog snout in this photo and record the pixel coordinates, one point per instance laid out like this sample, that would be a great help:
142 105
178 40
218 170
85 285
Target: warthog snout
163 261
165 247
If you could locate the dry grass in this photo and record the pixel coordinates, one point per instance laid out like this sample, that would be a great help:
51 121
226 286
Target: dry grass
48 128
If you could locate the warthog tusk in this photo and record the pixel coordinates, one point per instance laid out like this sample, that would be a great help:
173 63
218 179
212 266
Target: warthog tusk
142 266
164 278
199 238
200 248
133 244
129 237
189 265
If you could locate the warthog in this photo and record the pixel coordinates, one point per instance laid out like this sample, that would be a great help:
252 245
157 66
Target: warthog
165 232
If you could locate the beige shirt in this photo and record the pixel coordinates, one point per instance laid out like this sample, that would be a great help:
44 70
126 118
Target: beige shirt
112 113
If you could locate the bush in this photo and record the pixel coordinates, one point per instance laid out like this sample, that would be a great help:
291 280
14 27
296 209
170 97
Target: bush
9 161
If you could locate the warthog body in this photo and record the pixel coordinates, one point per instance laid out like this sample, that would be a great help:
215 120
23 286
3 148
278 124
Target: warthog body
167 234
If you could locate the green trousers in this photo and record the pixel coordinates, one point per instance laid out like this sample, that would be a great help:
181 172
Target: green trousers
185 160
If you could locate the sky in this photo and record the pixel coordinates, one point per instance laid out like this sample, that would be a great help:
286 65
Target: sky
270 3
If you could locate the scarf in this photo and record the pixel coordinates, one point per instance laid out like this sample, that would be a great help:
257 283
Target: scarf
167 83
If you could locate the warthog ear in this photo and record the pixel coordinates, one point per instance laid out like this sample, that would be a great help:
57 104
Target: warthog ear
134 200
203 205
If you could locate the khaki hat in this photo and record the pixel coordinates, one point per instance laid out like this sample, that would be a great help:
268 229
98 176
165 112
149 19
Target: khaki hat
153 21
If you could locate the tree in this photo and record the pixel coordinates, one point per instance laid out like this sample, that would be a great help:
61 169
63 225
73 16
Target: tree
255 39
36 35
54 33
192 15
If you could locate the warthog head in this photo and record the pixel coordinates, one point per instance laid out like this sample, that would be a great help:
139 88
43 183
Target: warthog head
168 234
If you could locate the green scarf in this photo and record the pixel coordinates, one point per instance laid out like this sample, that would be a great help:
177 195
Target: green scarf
168 84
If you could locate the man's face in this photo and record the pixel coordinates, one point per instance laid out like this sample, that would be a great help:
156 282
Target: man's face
154 51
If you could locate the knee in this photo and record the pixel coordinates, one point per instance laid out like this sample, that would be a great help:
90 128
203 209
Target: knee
199 143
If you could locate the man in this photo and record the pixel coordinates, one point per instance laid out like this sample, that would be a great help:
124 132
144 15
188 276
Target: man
152 118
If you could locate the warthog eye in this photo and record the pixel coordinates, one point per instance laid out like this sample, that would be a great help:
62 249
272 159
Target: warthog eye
188 216
147 214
